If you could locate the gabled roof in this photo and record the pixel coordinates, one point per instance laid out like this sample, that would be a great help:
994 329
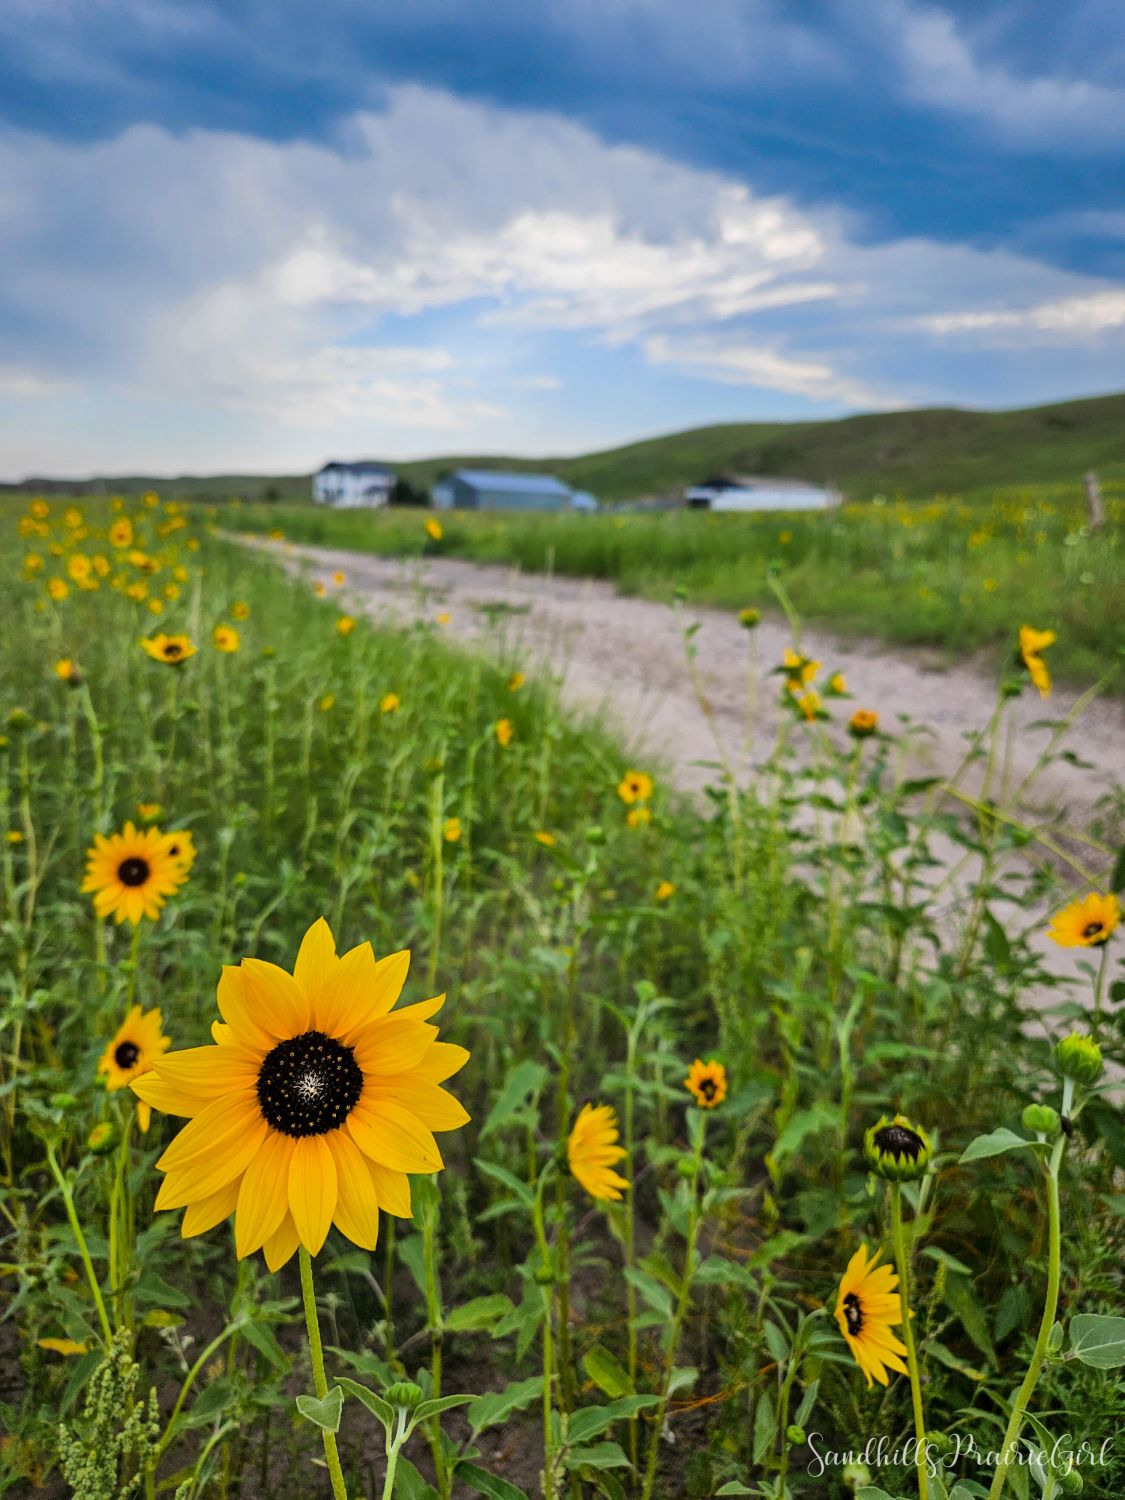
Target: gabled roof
489 479
361 466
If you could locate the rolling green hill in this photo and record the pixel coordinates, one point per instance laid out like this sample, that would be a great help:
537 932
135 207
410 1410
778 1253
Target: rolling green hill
918 453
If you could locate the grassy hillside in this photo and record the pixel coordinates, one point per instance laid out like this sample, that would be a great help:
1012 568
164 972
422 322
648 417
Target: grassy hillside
917 453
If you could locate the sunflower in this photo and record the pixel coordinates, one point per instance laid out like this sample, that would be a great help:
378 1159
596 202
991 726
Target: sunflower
433 530
838 685
863 723
313 1106
58 588
503 732
67 671
591 1151
451 830
131 1053
181 846
225 638
240 610
173 650
121 532
896 1149
867 1307
707 1083
516 681
799 670
389 703
545 837
1032 645
1087 923
131 874
345 625
638 817
665 891
635 786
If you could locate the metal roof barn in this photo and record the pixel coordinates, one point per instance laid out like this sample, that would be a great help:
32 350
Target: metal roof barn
759 494
486 489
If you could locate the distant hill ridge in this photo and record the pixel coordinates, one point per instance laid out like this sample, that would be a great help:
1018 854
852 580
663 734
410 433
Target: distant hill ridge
921 453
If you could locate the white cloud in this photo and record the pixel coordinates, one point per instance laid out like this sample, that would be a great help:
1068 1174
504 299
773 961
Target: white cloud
742 363
1066 318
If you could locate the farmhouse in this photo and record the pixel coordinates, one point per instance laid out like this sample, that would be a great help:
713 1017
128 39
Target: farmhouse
364 483
726 492
484 489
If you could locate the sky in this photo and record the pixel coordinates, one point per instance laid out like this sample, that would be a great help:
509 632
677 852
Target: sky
255 235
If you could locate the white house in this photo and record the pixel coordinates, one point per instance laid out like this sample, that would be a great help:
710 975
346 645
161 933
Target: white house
724 493
365 483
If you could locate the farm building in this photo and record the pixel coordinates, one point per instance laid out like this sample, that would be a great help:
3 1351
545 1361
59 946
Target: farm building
483 489
727 493
364 483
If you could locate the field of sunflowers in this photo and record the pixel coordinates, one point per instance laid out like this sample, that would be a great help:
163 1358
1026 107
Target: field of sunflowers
745 1161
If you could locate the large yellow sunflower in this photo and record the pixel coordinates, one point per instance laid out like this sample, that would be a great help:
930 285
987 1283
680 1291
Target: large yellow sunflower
592 1150
867 1307
1087 923
132 873
313 1106
130 1054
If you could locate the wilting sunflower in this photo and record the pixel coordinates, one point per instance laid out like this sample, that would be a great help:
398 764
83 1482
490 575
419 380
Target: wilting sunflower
1032 645
172 650
313 1106
592 1150
132 873
131 1053
707 1083
225 638
1087 923
867 1307
635 786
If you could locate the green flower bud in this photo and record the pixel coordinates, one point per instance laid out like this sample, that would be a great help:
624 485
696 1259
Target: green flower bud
544 1276
749 618
1079 1057
64 1101
404 1393
855 1476
1042 1119
940 1442
897 1150
595 835
103 1138
1071 1482
19 720
795 1435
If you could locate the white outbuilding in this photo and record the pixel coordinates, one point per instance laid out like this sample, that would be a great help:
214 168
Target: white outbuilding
364 483
726 493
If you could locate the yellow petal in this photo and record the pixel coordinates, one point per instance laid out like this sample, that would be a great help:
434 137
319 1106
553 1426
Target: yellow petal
263 1200
280 1246
169 1098
441 1062
357 1205
393 1045
235 1011
208 1072
205 1213
393 1137
312 1190
276 1001
392 1190
212 1132
206 1174
316 958
343 1002
433 1106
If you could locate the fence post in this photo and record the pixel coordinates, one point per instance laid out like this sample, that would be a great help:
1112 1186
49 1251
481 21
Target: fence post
1094 502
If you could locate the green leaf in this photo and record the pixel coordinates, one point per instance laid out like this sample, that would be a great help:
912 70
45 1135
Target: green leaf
993 1144
1117 879
524 1082
600 1456
996 943
495 1406
765 1425
808 1401
427 1409
1098 1340
323 1414
210 1403
379 1408
588 1421
262 1337
488 1484
503 1176
959 1297
682 1379
733 1487
777 1342
607 1372
657 1296
481 1312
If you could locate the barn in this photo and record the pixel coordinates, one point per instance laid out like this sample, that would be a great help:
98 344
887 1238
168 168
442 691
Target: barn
364 483
486 489
725 492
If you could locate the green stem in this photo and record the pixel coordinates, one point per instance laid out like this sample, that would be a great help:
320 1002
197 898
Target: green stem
434 1316
134 956
320 1380
393 1446
548 1344
76 1227
1099 992
1050 1307
908 1337
189 1380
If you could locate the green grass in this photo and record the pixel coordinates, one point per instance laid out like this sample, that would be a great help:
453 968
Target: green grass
915 453
955 576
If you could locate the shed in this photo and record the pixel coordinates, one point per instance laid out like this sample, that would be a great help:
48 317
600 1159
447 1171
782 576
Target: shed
487 489
363 483
725 492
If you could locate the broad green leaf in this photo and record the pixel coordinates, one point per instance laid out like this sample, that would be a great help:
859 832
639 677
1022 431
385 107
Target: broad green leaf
427 1409
263 1338
765 1425
993 1144
599 1456
777 1342
1097 1339
481 1312
733 1487
488 1484
375 1404
523 1083
496 1406
659 1298
607 1372
506 1179
323 1414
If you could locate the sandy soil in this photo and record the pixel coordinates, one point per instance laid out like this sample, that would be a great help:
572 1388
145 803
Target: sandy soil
622 660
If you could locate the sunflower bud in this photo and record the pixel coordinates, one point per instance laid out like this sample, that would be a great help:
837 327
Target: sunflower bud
1042 1119
544 1276
404 1393
102 1139
795 1435
1079 1057
897 1150
1070 1482
19 720
856 1475
749 618
64 1102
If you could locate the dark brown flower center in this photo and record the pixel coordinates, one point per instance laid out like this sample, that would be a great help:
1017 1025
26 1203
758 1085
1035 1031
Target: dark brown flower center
134 870
125 1055
1093 929
853 1314
309 1084
173 650
708 1088
899 1140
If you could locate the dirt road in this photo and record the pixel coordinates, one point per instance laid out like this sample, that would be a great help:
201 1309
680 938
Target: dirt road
622 660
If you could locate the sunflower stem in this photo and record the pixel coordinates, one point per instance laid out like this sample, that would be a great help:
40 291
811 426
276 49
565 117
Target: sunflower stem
393 1446
1050 1307
694 1218
434 1317
76 1228
134 957
320 1380
899 1237
548 1340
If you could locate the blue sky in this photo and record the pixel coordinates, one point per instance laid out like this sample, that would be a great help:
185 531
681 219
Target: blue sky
249 235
